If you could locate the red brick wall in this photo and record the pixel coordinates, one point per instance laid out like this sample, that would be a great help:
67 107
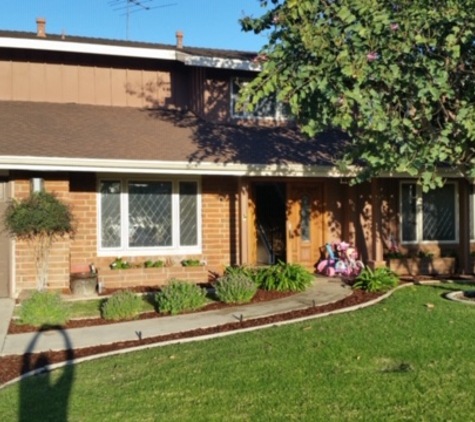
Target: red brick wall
220 229
219 237
25 273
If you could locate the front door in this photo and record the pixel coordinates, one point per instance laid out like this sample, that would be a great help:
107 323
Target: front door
304 223
4 245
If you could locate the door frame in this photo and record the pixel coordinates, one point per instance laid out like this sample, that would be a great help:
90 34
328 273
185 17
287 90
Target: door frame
318 217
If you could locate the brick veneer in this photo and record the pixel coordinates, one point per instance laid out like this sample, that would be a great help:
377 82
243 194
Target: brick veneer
219 238
25 273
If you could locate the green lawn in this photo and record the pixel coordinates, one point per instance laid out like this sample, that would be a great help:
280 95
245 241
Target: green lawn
91 308
400 360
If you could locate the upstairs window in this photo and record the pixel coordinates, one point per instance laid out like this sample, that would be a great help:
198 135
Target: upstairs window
428 217
267 108
149 216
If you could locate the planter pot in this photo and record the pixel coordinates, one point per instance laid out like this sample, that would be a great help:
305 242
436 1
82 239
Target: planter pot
83 284
423 266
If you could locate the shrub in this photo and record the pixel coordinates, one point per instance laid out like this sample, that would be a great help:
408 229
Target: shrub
380 280
191 263
123 304
253 273
151 264
284 277
44 308
180 296
40 219
235 288
119 264
240 269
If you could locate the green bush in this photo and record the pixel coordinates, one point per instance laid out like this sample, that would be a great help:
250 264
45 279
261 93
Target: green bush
381 279
284 277
256 274
123 304
119 264
180 296
191 262
153 264
44 309
235 288
249 272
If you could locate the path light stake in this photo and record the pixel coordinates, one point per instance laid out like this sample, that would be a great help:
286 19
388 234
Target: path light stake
314 304
241 318
139 335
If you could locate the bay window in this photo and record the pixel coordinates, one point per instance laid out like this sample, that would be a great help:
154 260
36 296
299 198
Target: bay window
149 216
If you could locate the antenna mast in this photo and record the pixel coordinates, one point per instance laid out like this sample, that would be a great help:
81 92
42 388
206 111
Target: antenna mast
127 7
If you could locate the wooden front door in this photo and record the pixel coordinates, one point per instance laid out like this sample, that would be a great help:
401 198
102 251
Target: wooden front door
4 246
304 223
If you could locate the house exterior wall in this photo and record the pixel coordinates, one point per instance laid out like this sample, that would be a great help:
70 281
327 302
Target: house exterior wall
366 215
83 79
219 237
25 273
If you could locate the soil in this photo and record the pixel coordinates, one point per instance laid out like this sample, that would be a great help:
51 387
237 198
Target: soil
13 366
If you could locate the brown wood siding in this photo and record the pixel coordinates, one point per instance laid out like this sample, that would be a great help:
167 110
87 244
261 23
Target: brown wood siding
101 80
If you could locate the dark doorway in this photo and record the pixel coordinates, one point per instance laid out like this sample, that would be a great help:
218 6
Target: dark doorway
270 203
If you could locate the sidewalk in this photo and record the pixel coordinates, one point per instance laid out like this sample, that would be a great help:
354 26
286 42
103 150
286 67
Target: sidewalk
324 290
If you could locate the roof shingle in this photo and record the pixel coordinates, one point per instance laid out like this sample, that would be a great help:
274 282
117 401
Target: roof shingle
116 133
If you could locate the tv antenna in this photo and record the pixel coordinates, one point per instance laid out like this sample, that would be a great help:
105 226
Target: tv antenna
127 7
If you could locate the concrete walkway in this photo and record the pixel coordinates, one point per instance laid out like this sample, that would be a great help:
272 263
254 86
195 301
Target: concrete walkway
324 290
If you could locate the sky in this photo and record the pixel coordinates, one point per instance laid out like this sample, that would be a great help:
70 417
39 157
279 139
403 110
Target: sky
205 23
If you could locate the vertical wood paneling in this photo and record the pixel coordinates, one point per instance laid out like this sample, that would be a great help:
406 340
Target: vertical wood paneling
70 81
5 80
20 81
86 85
102 78
37 82
54 85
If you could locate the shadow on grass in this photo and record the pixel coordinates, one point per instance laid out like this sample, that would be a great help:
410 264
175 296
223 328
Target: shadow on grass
48 397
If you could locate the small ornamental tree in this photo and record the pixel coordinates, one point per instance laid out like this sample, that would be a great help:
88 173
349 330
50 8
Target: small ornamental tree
396 76
40 219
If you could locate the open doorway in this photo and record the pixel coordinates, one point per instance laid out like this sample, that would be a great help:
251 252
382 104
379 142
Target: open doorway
270 216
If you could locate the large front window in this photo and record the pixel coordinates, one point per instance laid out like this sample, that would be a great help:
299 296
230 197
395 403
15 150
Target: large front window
143 216
429 216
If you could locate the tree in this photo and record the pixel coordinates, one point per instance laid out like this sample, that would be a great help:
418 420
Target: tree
397 76
40 219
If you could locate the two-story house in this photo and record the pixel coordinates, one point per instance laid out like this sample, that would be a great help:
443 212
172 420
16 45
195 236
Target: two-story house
147 145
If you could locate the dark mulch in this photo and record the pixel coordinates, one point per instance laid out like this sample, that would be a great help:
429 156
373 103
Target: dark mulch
13 366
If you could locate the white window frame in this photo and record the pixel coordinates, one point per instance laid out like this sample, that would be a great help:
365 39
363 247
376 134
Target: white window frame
175 248
419 215
279 113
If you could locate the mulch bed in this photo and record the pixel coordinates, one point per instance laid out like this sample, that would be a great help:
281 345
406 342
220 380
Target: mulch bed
13 366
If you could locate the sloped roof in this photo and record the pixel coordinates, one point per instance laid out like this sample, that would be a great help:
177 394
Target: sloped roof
72 132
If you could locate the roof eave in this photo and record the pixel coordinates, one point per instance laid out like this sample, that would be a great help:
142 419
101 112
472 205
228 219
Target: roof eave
163 167
78 47
218 62
128 51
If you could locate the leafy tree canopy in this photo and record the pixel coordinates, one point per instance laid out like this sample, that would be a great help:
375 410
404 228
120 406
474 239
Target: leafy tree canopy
397 76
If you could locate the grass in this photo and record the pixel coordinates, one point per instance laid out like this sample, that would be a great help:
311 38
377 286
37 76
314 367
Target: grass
407 358
91 308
